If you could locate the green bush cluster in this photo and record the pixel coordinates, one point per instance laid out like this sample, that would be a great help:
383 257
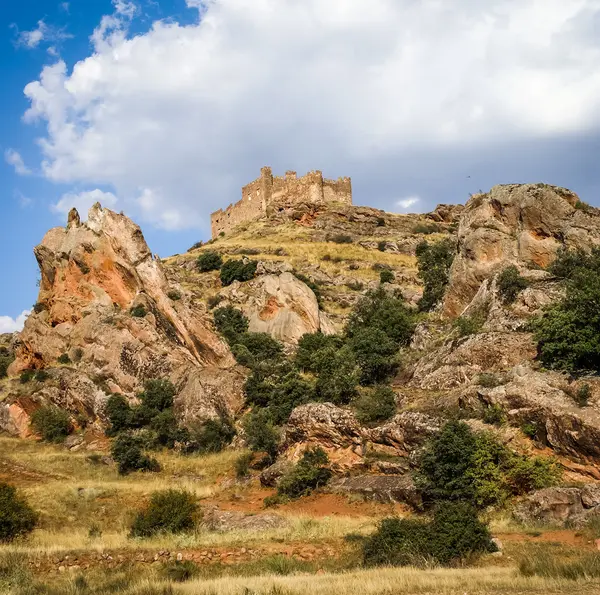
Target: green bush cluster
434 262
386 276
17 518
510 284
169 511
128 452
375 404
460 465
209 261
138 311
568 333
237 270
6 358
454 534
426 228
51 423
308 474
469 325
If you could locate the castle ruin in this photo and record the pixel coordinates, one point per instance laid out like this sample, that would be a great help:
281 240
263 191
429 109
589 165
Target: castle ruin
270 192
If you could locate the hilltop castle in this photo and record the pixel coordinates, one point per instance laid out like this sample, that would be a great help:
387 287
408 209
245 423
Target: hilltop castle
268 192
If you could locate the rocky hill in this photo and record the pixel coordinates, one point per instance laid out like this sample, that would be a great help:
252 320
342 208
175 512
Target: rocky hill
110 316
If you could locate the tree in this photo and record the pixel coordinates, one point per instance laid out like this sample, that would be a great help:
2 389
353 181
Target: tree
434 262
17 518
375 354
209 261
237 270
230 322
510 284
51 423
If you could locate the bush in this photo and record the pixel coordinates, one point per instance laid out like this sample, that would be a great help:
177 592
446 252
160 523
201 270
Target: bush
127 453
213 301
469 325
17 518
252 348
158 395
488 380
307 475
64 359
380 222
180 572
494 415
339 238
426 228
338 375
454 534
261 433
213 435
230 322
375 405
309 346
242 465
119 414
166 430
174 295
510 284
355 285
169 511
583 394
6 358
51 423
386 276
237 270
26 376
41 376
209 261
375 354
138 311
434 262
381 246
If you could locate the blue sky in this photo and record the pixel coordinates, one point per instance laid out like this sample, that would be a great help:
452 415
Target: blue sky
164 108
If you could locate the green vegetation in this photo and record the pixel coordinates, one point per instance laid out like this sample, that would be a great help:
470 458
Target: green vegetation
510 284
583 394
237 270
26 376
169 511
471 467
469 325
454 534
339 238
426 228
127 451
568 333
174 295
213 435
434 262
307 475
242 465
261 433
541 562
6 358
17 518
381 246
375 405
51 423
138 311
386 276
494 415
209 261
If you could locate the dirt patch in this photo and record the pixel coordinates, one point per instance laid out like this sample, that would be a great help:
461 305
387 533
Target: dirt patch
19 475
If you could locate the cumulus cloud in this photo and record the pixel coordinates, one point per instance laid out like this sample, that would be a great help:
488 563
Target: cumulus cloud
11 325
407 203
176 119
14 158
43 32
83 201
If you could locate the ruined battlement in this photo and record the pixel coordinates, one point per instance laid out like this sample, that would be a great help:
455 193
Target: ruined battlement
268 191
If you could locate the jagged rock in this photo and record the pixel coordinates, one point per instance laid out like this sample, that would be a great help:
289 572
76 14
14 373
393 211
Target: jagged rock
280 305
446 213
522 224
380 488
92 274
539 398
562 506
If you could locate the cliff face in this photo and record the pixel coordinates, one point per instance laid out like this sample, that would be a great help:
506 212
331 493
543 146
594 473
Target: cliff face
94 277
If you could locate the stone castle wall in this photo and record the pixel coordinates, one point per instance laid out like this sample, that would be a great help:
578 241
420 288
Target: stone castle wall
268 192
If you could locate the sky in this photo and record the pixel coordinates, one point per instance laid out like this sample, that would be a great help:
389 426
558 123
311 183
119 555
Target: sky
163 109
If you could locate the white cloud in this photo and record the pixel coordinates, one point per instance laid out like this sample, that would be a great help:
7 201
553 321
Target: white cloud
43 32
14 158
408 202
11 325
65 6
24 201
83 201
189 113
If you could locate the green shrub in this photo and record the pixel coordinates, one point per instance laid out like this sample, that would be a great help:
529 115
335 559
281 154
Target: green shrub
242 465
494 415
375 353
17 518
213 301
381 246
530 429
237 270
41 376
309 346
469 325
51 423
169 511
339 238
94 532
386 276
453 535
261 433
355 285
213 435
583 394
375 405
510 284
338 375
434 262
158 395
119 414
128 454
306 476
138 311
26 376
174 295
380 222
568 333
6 358
488 380
230 322
196 246
252 348
526 474
209 261
166 430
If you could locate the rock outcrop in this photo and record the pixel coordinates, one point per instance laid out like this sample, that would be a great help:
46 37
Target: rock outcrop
520 224
106 310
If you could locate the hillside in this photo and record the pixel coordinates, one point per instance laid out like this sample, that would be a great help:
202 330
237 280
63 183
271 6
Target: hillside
297 376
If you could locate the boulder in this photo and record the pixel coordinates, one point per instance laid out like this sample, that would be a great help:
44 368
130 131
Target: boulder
520 224
379 488
216 519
